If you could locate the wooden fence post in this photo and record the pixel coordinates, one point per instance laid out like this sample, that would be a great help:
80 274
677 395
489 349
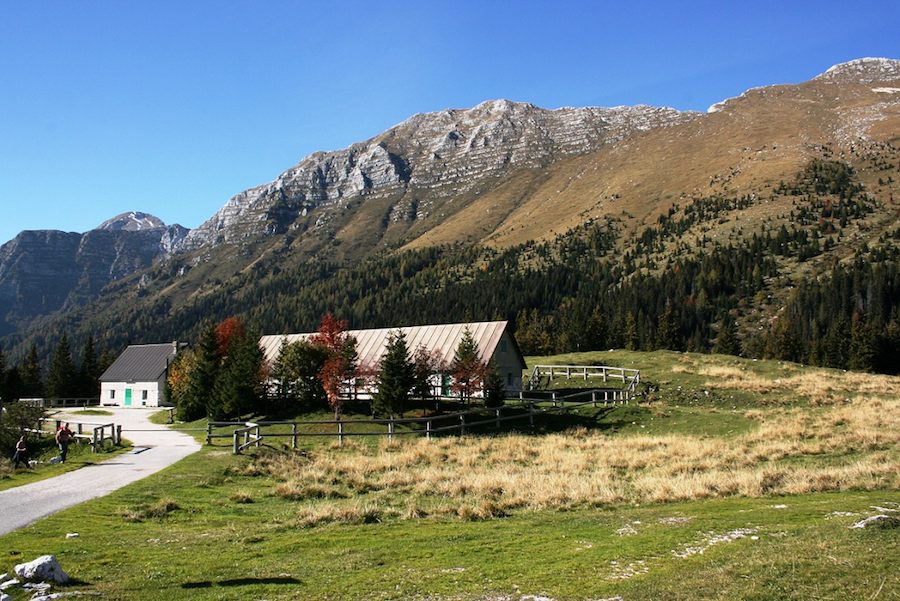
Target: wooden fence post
428 430
531 413
462 426
341 433
258 437
236 448
294 435
119 434
209 430
594 397
391 428
94 441
498 417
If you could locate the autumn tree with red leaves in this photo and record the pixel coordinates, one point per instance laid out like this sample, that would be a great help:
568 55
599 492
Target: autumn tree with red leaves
341 364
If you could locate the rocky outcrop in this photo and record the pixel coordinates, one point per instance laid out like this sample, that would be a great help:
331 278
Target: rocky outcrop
44 271
43 569
436 156
863 71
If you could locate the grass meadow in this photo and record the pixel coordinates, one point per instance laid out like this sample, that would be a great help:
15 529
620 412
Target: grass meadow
732 479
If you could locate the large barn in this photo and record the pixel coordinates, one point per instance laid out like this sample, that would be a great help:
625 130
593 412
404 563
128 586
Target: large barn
493 338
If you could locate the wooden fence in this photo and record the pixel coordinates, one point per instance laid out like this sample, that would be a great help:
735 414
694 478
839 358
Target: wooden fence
247 434
62 402
630 378
99 433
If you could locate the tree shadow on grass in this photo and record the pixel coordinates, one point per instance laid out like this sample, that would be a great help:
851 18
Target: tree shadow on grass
241 582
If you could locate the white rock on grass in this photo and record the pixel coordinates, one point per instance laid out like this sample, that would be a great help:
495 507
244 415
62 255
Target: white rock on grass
886 521
8 583
72 535
5 597
44 568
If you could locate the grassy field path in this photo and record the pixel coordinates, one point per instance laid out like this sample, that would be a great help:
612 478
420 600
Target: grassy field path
155 447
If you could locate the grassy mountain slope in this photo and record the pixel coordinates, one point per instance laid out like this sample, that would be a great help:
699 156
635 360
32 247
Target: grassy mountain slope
820 159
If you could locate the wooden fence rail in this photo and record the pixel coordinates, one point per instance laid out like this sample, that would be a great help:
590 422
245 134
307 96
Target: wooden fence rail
629 377
95 434
248 434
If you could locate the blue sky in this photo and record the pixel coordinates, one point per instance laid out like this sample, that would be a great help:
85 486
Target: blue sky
173 107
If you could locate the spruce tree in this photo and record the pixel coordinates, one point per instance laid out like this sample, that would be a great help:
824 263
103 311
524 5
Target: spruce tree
89 372
198 399
4 395
466 368
727 341
494 390
238 387
62 378
632 341
32 380
395 377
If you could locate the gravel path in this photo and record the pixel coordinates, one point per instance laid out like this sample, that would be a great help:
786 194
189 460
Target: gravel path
155 447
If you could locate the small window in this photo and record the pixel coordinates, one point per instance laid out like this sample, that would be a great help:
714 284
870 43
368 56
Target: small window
143 395
112 394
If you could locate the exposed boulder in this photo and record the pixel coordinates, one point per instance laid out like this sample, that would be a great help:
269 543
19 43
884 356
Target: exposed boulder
44 569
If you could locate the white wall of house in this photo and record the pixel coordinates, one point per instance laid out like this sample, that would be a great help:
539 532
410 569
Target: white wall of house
508 364
142 394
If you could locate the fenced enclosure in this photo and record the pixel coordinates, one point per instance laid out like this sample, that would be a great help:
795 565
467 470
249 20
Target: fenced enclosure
630 378
243 435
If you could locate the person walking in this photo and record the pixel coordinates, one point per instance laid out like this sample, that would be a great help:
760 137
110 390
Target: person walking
21 454
63 438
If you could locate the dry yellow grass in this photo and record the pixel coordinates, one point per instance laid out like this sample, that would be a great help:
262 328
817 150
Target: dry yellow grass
846 446
820 387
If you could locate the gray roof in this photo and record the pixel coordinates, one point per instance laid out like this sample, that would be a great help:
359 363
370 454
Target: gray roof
441 339
141 363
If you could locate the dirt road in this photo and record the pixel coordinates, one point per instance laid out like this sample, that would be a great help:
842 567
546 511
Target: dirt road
155 447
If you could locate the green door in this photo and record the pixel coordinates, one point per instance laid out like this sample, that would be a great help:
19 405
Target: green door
128 397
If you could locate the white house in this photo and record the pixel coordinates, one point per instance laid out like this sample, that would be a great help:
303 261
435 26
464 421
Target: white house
493 338
137 378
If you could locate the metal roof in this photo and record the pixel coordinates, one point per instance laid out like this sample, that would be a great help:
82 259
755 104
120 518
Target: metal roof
141 363
440 339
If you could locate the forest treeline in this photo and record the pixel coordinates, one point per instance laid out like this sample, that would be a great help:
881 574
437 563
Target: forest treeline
590 288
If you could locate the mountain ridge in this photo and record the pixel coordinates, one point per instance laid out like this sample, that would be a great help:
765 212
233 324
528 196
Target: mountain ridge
507 175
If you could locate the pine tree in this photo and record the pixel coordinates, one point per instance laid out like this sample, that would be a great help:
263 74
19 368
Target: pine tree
667 335
632 341
62 378
32 380
426 365
89 372
4 393
727 341
494 390
238 386
863 351
395 377
466 368
198 398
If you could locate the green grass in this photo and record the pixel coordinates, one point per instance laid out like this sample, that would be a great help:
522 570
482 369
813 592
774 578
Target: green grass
79 456
219 534
214 527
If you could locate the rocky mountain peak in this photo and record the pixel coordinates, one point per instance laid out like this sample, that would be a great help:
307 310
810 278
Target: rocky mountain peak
863 70
132 221
437 156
